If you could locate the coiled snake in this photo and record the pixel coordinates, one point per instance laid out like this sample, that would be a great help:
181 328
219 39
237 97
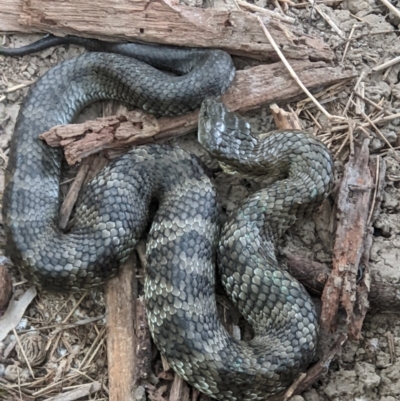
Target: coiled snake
183 239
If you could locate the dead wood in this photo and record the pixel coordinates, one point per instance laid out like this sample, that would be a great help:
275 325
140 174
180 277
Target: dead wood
383 295
6 289
120 297
353 205
162 22
251 89
283 119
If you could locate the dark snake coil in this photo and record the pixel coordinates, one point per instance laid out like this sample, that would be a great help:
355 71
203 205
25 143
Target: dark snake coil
183 239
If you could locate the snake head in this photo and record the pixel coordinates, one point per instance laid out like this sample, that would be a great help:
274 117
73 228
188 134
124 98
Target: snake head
223 133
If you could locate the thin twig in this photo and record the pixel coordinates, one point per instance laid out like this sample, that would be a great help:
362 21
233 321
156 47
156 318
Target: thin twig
348 43
373 104
327 18
382 120
291 71
387 64
17 87
23 353
272 14
352 94
391 7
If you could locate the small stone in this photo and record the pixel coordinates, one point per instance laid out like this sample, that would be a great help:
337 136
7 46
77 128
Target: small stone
388 398
390 135
390 380
341 384
396 91
356 6
260 3
367 376
297 398
311 395
376 144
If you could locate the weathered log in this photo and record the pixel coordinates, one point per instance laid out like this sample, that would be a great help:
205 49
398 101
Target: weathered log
160 21
342 288
251 89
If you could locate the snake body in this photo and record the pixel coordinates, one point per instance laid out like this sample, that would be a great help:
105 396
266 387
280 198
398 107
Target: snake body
184 235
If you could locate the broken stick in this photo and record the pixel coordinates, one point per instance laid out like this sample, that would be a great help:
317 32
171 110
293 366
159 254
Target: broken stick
121 295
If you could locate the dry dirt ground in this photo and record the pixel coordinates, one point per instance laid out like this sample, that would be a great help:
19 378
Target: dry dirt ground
71 327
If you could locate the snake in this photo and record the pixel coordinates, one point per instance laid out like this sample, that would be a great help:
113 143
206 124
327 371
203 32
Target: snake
185 242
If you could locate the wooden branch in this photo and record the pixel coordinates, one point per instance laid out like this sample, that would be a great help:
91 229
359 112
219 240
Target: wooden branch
251 89
353 209
383 295
162 22
121 294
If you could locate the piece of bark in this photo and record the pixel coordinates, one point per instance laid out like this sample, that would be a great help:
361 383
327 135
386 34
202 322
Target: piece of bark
120 297
377 168
283 119
9 15
163 22
353 206
6 289
251 88
383 295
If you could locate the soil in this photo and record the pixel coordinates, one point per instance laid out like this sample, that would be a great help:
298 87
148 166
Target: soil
365 370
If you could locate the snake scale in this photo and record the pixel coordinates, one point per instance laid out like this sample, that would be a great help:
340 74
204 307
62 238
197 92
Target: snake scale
184 236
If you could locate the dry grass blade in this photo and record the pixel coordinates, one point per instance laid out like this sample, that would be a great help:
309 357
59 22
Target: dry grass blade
82 391
291 71
360 78
327 18
18 87
387 64
391 7
348 42
272 14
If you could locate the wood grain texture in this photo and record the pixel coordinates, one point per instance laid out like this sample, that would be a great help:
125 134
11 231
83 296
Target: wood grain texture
121 295
159 21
